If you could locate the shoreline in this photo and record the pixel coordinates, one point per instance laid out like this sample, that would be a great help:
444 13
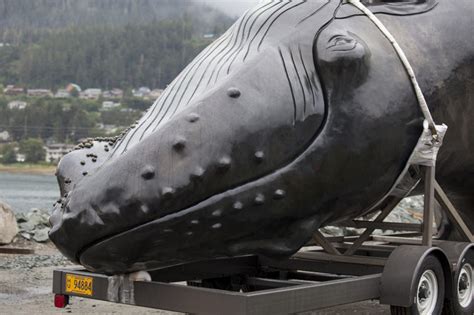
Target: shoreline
33 169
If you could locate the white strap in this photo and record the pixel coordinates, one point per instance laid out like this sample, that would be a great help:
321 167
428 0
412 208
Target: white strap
419 94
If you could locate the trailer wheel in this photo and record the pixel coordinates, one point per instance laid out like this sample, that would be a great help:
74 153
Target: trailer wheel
462 301
429 290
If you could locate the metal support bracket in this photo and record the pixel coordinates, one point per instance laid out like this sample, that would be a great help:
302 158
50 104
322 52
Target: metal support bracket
432 192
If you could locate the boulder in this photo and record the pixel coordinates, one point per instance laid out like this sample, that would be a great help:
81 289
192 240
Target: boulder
8 225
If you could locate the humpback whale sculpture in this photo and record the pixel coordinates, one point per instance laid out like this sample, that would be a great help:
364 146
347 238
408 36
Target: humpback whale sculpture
301 115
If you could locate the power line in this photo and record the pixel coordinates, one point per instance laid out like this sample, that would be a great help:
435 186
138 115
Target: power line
50 128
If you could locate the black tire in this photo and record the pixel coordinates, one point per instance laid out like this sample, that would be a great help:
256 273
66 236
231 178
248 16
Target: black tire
431 263
452 304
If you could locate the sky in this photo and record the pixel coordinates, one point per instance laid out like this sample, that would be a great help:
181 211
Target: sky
232 7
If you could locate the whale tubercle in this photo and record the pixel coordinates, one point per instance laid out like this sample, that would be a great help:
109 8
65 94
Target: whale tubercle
198 173
167 192
238 205
259 156
259 200
279 194
193 117
179 144
233 92
224 163
148 172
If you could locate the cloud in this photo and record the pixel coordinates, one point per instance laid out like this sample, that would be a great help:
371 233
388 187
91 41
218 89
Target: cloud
232 7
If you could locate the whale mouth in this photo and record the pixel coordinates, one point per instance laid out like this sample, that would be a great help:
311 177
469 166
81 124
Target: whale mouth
211 228
205 218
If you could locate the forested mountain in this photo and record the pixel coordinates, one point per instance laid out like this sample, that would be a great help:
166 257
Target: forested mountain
130 56
101 43
20 17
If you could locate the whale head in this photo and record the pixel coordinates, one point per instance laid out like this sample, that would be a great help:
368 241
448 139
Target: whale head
266 136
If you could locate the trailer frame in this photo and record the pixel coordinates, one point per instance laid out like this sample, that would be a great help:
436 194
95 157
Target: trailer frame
330 271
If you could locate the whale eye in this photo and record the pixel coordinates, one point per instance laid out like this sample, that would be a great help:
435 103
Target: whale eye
343 56
342 48
342 43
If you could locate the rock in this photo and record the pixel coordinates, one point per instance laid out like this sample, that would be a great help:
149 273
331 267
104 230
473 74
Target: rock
34 225
21 218
8 225
26 236
27 226
41 235
38 217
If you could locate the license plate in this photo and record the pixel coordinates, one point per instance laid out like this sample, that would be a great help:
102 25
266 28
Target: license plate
79 284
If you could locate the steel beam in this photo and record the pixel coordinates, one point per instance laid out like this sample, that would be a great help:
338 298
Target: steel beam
428 212
272 283
311 297
361 260
321 240
395 226
368 232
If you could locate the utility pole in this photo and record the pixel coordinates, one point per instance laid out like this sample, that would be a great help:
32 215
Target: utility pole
25 126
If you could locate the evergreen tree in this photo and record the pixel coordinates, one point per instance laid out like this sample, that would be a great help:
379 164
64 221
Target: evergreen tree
33 149
8 154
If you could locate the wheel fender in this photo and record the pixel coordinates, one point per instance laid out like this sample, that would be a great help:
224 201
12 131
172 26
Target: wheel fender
455 251
399 274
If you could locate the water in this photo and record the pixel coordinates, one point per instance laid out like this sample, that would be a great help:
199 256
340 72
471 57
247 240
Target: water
24 191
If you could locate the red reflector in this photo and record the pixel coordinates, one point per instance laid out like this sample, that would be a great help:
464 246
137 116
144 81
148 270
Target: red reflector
61 301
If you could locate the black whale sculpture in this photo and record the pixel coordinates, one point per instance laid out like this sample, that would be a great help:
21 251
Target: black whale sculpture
301 115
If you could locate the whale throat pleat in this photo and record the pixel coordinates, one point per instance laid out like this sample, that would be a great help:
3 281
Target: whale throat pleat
247 37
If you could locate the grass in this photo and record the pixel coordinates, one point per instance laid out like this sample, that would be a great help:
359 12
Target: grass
26 168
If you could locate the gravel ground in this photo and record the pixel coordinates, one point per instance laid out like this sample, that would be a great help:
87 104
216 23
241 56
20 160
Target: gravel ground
25 288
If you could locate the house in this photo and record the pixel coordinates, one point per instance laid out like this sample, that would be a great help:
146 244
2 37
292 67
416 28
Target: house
17 105
128 110
62 93
39 93
20 157
4 136
154 94
141 92
109 129
113 94
55 152
108 105
11 90
91 94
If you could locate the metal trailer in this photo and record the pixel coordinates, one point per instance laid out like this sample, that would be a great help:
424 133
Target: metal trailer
412 271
